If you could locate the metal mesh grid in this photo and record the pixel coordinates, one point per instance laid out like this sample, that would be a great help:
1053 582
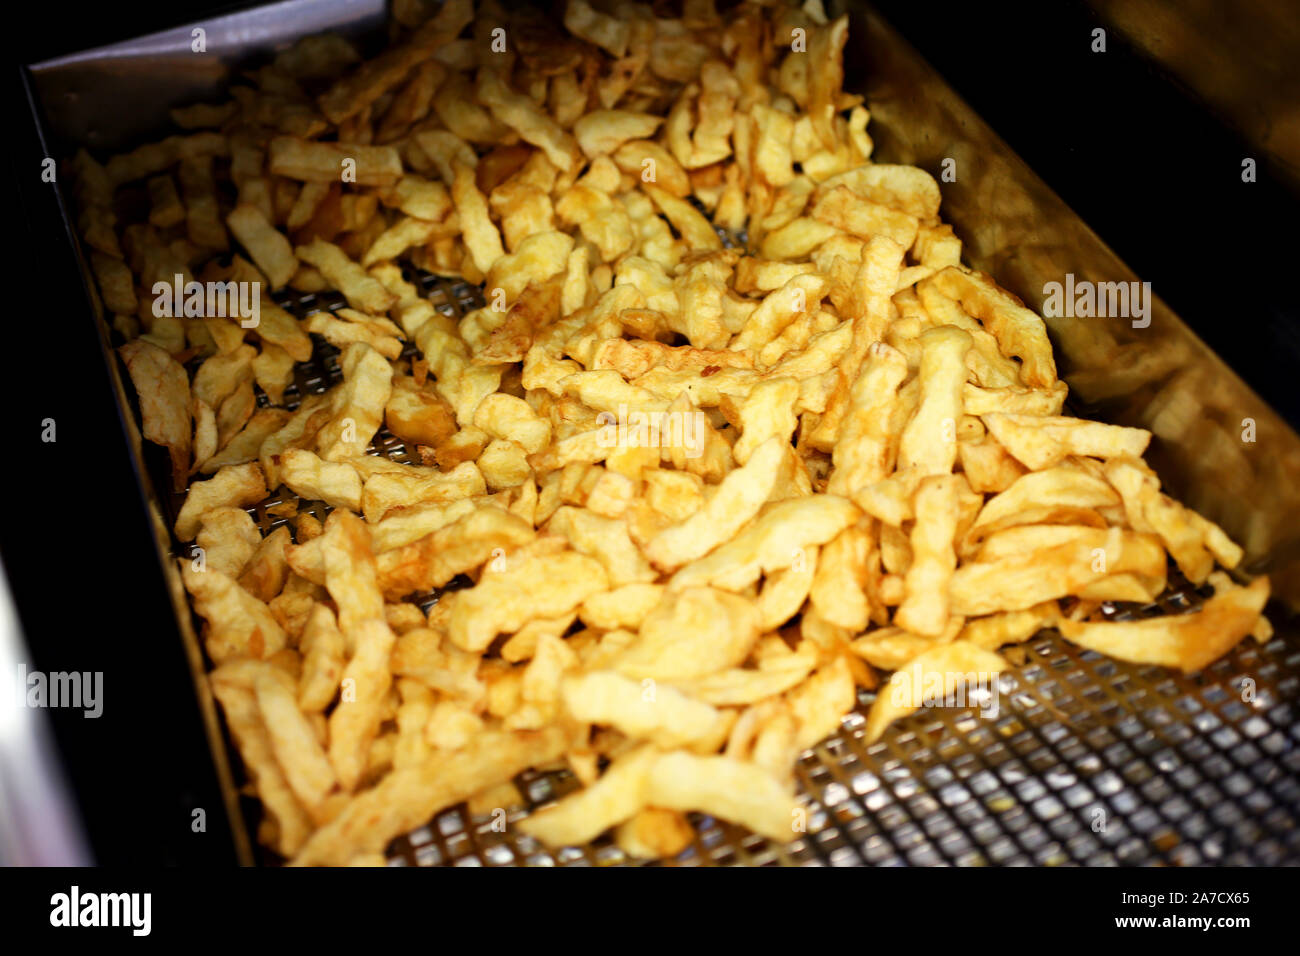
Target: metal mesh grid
1088 761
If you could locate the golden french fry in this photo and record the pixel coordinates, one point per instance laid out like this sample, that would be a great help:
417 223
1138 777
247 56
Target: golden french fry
1019 331
662 715
737 500
1042 441
1192 541
925 596
294 743
164 393
690 634
335 483
351 579
1186 641
237 485
1024 579
724 787
776 539
238 623
462 545
363 291
269 249
616 796
239 704
929 442
931 675
529 586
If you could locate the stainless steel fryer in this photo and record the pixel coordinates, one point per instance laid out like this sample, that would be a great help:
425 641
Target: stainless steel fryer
1090 761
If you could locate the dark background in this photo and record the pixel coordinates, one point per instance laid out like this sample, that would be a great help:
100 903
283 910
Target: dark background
1146 166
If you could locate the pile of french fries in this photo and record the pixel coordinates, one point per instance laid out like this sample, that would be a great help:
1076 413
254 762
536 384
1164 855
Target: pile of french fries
699 495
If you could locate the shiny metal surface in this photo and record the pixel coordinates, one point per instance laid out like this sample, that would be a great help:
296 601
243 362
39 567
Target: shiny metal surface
1181 770
39 825
110 97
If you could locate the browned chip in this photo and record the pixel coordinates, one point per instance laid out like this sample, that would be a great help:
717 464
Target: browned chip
163 389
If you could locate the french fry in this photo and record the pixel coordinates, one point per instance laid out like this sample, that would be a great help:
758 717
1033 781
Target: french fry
925 597
1188 642
929 442
737 500
164 393
933 674
1040 442
238 485
294 743
351 579
662 715
690 634
269 249
616 796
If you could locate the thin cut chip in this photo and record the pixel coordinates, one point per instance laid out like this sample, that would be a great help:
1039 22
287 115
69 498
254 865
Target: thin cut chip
1041 441
292 825
1188 642
528 587
623 607
456 548
362 290
350 578
410 796
662 715
691 634
777 539
655 833
1023 579
335 483
689 222
328 162
356 406
905 188
239 625
1020 332
418 415
521 114
1010 627
479 233
925 596
293 741
164 393
1193 542
931 676
736 501
838 589
265 244
929 441
237 485
724 787
616 796
228 538
866 448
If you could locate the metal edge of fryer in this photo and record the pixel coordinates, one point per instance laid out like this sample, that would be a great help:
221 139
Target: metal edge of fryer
39 823
158 525
75 99
72 98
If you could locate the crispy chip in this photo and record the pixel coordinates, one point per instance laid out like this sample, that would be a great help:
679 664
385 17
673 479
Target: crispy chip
164 393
